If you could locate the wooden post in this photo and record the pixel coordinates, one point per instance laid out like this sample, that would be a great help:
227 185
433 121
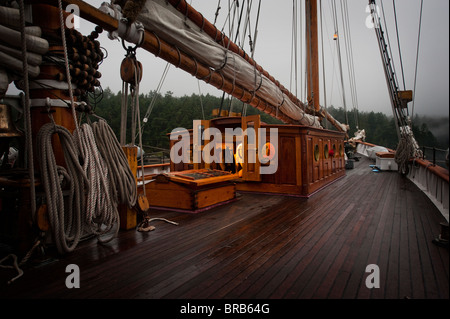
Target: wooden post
128 216
47 17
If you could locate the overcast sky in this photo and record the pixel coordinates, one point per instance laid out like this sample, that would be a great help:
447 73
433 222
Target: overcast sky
273 53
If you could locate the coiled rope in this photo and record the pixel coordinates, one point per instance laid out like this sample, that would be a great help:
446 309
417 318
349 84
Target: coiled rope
66 224
405 150
122 179
101 208
15 264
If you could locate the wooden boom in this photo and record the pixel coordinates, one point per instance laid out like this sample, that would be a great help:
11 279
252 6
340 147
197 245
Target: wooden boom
152 43
160 48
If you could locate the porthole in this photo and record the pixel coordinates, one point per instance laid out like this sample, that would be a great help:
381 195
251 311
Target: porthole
316 153
268 153
239 154
325 151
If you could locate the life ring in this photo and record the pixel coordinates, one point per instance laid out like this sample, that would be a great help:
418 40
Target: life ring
268 152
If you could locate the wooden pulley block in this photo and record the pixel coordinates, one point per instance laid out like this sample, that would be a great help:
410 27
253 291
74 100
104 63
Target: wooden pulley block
128 68
143 204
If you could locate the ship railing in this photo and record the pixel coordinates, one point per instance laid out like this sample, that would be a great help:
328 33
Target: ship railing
153 169
432 179
436 155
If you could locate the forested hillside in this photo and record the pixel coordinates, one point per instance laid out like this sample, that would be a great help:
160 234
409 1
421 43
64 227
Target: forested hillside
169 112
380 128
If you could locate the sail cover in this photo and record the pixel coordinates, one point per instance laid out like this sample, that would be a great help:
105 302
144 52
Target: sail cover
167 23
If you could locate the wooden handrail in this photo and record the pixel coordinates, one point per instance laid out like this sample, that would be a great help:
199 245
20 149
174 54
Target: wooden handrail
436 170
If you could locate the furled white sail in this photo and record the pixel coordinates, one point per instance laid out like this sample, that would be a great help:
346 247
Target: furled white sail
170 25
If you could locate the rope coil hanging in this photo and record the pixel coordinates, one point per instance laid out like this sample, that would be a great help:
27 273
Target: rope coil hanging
101 209
66 222
121 179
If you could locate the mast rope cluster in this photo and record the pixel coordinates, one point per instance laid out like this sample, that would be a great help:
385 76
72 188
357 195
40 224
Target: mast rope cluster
399 99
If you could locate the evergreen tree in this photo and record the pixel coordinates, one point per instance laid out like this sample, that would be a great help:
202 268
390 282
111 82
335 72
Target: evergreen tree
170 112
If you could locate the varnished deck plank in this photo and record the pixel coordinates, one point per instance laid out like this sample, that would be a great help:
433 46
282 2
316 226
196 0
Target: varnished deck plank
267 247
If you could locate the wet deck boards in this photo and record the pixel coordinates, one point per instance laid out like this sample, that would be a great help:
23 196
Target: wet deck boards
263 246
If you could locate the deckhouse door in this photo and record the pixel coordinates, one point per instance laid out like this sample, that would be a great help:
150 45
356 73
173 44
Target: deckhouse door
199 144
251 165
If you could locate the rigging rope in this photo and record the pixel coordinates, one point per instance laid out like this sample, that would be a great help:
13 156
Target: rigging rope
294 48
350 63
398 43
323 63
339 59
252 45
123 114
27 112
28 143
333 51
201 102
309 57
217 12
152 102
255 35
66 61
417 60
389 46
137 75
300 31
239 25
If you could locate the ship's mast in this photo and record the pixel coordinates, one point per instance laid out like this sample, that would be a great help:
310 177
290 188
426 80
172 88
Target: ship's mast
312 55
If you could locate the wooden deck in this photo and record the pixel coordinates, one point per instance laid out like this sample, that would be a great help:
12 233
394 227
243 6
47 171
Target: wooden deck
267 246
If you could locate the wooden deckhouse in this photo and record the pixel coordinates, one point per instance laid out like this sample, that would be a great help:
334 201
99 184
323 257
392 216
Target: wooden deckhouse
307 159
